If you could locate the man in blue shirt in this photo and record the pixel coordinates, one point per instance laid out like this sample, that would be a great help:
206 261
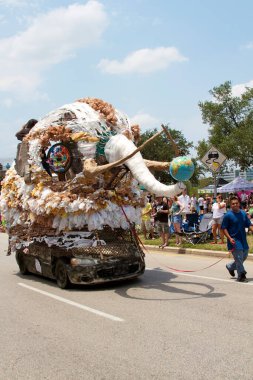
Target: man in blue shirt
233 226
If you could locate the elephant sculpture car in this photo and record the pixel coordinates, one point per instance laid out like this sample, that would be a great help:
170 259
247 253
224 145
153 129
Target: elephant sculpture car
72 196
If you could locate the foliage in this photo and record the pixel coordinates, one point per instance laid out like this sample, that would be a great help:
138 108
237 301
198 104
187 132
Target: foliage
231 124
203 182
161 149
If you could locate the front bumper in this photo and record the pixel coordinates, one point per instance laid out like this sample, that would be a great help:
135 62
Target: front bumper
106 272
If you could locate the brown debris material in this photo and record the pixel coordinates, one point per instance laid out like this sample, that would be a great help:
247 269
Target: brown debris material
83 136
136 131
52 133
106 109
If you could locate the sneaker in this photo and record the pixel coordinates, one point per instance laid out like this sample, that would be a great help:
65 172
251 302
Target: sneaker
231 272
242 278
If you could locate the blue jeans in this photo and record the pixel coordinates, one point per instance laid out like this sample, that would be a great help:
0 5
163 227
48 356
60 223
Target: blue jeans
239 257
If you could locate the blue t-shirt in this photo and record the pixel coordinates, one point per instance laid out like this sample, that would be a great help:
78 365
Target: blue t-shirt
235 223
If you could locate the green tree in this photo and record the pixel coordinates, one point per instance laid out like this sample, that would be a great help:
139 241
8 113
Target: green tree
161 149
230 120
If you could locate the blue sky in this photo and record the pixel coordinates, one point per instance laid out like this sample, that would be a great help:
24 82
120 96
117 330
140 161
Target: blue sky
152 59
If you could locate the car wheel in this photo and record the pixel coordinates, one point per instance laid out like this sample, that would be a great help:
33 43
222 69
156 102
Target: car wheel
61 275
21 263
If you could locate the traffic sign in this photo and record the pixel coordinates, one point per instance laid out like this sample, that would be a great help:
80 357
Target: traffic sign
214 159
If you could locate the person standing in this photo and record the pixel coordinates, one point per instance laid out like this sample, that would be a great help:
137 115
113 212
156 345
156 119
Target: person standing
201 205
205 205
193 202
233 226
176 210
146 226
185 201
161 218
218 210
244 199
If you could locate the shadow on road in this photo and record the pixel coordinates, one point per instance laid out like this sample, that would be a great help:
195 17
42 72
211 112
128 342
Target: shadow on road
156 284
165 282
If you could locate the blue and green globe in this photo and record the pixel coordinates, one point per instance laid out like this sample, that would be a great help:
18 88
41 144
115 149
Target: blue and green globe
181 168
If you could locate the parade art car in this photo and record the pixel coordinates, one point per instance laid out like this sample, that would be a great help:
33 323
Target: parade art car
72 197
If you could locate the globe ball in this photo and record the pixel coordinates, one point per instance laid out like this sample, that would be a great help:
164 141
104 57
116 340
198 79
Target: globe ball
181 168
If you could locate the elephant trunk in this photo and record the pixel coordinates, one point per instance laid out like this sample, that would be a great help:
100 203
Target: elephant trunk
119 147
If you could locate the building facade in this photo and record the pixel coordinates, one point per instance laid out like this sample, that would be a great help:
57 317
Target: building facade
232 174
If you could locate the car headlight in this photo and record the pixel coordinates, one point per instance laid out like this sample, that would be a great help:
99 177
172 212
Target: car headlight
75 262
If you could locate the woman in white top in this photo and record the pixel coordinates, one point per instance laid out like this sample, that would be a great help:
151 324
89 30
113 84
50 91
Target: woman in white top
218 209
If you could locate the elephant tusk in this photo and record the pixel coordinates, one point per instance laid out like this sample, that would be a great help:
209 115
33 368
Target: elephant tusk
157 165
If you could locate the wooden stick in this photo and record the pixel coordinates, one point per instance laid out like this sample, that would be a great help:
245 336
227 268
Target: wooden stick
174 145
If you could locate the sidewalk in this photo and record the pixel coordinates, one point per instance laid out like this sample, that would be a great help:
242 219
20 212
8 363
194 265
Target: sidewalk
192 251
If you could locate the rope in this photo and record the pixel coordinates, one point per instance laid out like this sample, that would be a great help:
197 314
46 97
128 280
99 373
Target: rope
132 228
197 270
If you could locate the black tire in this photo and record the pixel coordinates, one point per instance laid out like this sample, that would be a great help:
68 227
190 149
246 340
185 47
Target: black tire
61 275
21 263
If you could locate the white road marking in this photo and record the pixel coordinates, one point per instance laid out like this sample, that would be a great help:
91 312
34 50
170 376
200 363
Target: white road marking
205 277
72 303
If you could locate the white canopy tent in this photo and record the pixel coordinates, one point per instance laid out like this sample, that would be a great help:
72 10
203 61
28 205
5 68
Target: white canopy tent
237 184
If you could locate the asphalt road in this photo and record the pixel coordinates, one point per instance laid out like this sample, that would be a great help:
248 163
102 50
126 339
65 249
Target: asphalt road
164 325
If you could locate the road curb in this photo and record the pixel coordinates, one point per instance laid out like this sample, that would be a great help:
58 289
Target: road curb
192 251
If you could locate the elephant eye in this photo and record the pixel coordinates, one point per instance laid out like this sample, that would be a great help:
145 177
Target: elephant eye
58 159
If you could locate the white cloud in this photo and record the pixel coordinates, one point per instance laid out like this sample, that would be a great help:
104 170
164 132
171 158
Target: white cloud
143 61
239 89
249 45
2 19
7 102
50 39
145 121
15 3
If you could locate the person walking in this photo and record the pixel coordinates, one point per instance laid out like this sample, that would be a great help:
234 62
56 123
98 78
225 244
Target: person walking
234 223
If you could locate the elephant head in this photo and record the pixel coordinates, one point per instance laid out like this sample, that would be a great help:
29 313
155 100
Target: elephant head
100 169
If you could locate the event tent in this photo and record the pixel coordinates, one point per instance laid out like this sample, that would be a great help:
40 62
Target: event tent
237 184
210 188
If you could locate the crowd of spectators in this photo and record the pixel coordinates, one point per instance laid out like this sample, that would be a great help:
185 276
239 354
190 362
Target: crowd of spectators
163 216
